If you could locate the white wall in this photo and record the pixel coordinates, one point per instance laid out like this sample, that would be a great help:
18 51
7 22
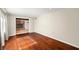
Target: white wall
62 25
31 24
11 25
6 28
26 24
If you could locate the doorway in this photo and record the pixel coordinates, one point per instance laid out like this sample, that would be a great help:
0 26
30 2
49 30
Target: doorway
22 26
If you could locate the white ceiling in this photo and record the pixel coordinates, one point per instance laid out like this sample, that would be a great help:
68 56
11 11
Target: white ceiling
29 12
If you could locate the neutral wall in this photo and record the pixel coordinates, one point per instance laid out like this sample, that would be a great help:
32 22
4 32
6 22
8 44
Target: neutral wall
11 25
6 23
26 25
63 25
31 24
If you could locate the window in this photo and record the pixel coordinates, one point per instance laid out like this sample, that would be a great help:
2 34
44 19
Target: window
2 30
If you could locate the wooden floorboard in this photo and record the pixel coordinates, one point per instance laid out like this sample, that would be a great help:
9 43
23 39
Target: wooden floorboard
35 41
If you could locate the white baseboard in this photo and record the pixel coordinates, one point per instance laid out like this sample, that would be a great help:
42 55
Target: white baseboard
60 40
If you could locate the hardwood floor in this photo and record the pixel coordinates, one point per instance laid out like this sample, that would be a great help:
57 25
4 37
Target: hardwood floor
35 41
21 30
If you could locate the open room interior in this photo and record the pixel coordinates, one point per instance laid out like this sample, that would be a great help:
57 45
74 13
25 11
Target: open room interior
39 28
22 26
